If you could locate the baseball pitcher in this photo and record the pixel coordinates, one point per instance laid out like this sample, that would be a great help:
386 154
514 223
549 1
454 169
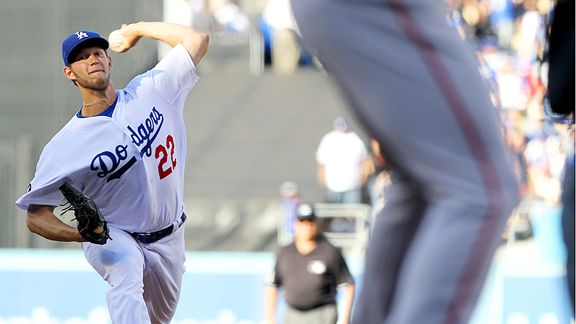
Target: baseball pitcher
119 162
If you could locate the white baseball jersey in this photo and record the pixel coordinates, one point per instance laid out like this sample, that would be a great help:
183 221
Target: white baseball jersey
129 159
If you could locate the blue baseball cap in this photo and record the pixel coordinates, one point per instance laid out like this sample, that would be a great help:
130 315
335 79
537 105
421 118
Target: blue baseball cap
79 40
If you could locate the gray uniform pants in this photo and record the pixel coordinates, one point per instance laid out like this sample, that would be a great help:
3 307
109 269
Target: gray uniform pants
327 314
414 85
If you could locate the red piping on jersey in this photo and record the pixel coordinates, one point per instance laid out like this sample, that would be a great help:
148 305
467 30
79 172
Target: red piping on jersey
472 136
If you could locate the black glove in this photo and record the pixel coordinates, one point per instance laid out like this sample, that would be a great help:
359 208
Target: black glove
91 225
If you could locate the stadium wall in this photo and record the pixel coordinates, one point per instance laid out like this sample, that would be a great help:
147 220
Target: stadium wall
49 286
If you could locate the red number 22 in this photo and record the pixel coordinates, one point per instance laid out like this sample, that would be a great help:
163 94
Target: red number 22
162 153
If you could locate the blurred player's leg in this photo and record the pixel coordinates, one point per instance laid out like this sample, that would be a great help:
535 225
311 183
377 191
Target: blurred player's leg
394 228
414 85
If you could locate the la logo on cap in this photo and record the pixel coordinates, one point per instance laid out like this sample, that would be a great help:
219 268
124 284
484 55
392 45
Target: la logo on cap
81 34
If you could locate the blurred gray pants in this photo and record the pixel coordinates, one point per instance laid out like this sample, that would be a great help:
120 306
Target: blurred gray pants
327 314
414 85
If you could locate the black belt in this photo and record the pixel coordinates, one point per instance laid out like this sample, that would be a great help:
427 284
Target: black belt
309 308
152 237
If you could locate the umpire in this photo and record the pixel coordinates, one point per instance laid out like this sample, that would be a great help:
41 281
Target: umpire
310 270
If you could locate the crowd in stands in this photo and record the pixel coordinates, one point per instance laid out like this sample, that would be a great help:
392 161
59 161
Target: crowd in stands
510 38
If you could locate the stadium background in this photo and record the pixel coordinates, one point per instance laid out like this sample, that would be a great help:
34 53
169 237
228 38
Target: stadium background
249 130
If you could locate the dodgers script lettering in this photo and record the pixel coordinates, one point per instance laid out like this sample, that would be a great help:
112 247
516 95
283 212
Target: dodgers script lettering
146 132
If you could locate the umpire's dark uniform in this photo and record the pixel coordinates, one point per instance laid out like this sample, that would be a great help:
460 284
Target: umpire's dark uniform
310 282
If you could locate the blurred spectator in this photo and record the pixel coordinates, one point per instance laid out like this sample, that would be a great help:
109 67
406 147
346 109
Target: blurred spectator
342 164
544 156
278 23
511 85
485 51
228 16
378 176
502 18
526 41
291 198
310 270
220 16
476 14
378 180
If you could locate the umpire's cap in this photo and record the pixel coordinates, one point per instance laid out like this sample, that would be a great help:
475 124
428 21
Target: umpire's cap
305 212
79 40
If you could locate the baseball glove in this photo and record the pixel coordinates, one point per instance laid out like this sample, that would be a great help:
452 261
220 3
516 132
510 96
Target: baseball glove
91 224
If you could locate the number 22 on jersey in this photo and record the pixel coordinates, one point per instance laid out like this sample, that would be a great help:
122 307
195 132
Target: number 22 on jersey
165 154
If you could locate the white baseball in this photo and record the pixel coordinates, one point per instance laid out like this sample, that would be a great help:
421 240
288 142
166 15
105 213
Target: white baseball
116 39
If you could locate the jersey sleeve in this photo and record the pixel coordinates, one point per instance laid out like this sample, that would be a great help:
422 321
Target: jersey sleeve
175 75
274 279
43 189
343 275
